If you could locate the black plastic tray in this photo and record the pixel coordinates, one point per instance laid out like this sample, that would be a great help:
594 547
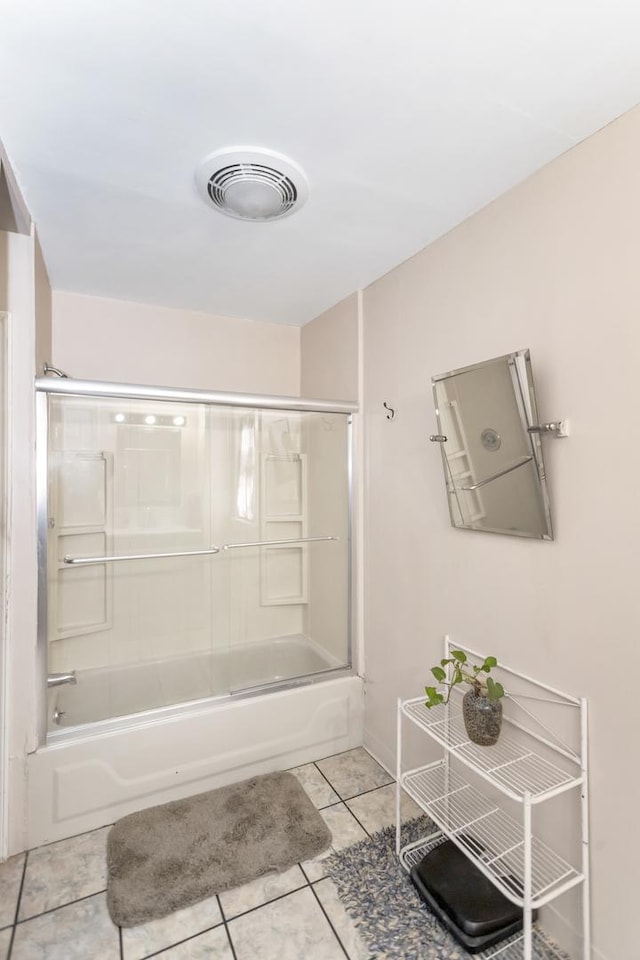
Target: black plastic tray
477 914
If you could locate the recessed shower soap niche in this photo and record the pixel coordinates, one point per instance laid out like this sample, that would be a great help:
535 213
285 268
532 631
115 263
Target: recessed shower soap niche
490 438
499 807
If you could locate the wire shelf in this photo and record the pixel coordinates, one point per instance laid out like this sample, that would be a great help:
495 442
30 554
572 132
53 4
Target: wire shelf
542 754
489 836
508 765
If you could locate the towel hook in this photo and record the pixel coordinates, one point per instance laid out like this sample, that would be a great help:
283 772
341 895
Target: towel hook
392 414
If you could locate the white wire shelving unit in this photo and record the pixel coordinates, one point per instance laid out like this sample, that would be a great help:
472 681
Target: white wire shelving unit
463 792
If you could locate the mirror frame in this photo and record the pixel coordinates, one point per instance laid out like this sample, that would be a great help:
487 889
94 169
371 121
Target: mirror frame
519 363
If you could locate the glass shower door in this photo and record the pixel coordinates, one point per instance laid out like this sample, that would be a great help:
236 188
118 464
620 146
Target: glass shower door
130 558
193 550
285 562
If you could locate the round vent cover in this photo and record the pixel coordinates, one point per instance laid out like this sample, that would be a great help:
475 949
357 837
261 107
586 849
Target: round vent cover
251 183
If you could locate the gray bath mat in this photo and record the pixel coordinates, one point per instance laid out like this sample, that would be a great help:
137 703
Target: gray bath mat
169 857
390 916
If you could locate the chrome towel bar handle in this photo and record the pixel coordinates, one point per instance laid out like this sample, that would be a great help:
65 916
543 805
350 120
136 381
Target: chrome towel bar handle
276 543
86 561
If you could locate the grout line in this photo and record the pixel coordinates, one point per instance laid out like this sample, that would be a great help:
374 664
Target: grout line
24 874
15 916
194 936
121 943
280 896
361 825
60 906
230 942
306 876
11 939
342 752
226 928
391 783
327 779
345 803
74 836
222 914
335 932
344 800
356 795
361 794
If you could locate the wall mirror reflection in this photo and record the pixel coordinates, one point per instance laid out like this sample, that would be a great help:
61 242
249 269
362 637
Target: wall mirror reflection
493 465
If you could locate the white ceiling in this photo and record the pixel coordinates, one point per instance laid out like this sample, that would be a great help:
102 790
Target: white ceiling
407 116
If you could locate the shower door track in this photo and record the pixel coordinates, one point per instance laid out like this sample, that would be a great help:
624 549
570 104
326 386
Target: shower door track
95 388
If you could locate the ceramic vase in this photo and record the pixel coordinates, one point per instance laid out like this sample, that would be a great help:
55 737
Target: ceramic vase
482 718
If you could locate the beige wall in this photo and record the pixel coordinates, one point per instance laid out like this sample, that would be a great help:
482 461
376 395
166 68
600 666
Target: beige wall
329 353
553 266
99 339
14 215
43 308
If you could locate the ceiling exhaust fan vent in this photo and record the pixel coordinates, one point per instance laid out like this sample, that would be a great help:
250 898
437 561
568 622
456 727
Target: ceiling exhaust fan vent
251 183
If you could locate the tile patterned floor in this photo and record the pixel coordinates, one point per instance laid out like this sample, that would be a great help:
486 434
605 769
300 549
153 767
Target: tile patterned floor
53 906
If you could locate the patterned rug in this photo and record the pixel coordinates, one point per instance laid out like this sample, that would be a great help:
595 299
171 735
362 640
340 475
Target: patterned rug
391 918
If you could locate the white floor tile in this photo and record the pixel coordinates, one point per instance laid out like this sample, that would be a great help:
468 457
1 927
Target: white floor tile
345 830
260 891
213 945
377 809
139 942
64 871
342 922
292 928
10 880
319 791
76 932
5 940
353 772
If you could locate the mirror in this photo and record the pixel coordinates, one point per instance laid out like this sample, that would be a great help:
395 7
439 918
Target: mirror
494 471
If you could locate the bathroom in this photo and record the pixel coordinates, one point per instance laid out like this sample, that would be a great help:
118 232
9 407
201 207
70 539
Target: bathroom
548 262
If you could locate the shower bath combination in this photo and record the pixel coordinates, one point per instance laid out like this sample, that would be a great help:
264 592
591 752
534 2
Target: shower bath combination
195 558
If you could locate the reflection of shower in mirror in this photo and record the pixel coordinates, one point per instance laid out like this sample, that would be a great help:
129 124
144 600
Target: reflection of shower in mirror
489 435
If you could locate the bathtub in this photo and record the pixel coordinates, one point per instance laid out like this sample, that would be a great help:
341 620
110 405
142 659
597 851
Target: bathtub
110 692
89 776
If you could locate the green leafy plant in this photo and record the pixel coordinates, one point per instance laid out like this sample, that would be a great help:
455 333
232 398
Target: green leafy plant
462 671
